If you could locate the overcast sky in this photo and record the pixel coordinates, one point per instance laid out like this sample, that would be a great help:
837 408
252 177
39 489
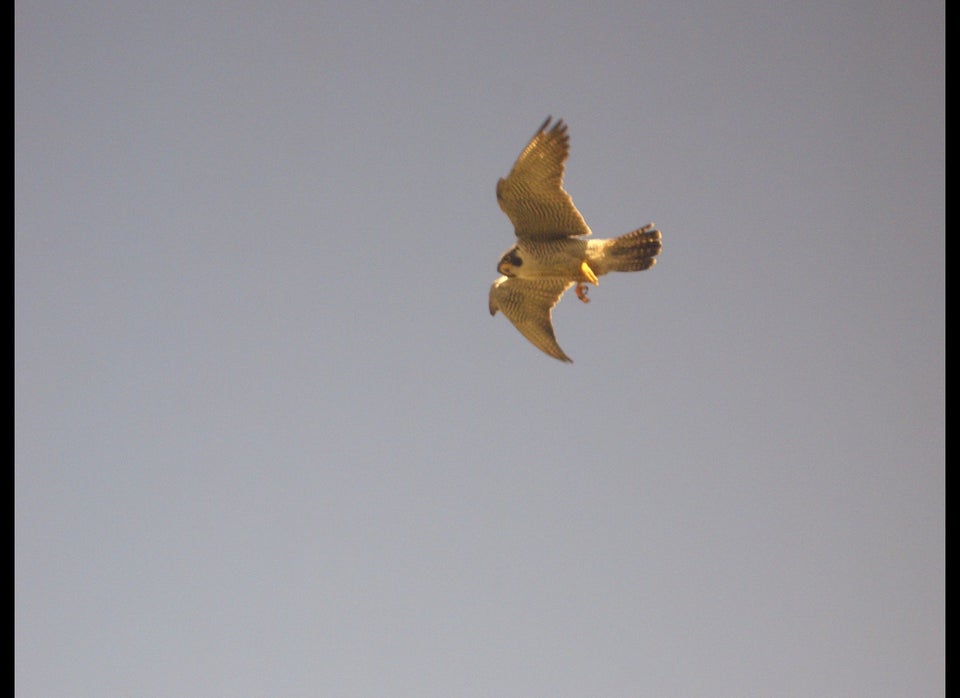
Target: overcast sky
269 441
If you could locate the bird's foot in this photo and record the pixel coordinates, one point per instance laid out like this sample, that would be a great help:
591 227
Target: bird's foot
588 276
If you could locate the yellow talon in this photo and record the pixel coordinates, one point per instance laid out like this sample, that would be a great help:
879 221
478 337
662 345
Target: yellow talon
588 274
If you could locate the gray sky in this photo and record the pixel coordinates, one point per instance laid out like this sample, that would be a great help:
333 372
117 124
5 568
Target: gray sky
270 442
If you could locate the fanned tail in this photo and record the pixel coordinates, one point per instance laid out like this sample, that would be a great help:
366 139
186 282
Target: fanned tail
634 251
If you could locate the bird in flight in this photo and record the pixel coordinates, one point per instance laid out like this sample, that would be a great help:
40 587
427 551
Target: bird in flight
551 253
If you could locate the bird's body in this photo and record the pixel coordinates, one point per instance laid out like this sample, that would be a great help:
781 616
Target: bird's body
564 257
548 259
552 251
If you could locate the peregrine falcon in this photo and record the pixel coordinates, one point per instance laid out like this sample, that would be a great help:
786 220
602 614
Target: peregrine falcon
551 254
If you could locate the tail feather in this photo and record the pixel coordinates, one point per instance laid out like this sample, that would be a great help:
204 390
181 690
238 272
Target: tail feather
634 251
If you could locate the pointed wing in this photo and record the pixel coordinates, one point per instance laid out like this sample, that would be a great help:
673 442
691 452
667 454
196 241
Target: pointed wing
528 305
532 195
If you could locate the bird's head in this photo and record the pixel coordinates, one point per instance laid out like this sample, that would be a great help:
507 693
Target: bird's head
509 263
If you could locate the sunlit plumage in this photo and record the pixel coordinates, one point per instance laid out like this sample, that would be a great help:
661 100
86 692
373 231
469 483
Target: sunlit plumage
552 253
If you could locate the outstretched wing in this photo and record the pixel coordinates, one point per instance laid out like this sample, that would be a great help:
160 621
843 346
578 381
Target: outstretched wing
532 195
528 305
